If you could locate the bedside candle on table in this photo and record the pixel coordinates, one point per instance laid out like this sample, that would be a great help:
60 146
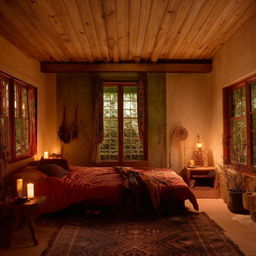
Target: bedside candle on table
19 187
46 155
191 162
30 190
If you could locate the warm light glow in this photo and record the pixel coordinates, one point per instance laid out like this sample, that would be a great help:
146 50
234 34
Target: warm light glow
36 157
30 190
19 186
46 155
199 145
191 162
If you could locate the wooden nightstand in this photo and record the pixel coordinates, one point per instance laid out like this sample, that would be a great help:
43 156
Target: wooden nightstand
15 214
200 172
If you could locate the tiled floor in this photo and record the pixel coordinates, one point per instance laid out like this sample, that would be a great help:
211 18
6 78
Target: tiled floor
238 227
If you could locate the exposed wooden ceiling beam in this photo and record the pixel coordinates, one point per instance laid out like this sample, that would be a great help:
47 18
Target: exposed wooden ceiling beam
127 67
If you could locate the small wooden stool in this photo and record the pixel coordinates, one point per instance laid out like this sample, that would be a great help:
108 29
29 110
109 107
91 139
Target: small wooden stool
17 214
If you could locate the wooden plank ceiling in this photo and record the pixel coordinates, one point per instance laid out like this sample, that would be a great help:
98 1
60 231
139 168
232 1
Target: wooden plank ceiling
121 30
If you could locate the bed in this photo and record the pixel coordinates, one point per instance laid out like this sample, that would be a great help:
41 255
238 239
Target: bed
100 186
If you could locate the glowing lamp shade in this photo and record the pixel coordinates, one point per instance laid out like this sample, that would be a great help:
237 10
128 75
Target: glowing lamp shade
30 190
199 145
46 155
19 187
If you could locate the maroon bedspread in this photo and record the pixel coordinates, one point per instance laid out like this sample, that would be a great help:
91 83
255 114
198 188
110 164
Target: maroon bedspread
103 184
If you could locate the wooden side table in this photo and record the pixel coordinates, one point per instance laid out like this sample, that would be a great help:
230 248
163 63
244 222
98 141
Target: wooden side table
200 172
15 214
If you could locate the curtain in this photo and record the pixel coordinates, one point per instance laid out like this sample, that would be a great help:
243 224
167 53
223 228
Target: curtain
141 109
32 120
98 120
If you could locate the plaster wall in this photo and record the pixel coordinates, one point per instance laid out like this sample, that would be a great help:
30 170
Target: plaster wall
236 60
77 90
13 62
187 104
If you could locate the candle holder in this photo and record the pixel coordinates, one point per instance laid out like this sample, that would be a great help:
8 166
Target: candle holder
21 200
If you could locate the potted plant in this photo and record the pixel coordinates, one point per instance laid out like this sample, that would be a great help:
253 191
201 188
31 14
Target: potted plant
235 182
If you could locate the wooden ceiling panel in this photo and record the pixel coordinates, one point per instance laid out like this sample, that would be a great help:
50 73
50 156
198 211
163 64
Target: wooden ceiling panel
121 30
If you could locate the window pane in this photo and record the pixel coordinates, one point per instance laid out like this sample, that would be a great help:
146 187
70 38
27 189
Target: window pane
238 102
133 147
253 135
24 102
4 113
238 141
253 96
16 101
21 119
109 147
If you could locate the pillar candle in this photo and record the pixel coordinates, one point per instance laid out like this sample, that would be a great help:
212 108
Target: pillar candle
36 157
46 155
30 190
19 186
191 162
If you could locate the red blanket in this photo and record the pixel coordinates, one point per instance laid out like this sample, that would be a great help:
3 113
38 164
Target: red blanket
103 184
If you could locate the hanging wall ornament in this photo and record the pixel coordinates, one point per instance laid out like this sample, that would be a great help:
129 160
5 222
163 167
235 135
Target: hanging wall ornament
179 134
63 131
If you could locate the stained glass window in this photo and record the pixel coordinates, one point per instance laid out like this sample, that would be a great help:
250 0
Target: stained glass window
121 141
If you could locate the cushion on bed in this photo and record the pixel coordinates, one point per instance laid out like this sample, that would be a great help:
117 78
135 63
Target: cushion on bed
53 170
60 162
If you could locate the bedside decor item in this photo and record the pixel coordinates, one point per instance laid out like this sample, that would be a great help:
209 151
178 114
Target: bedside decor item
191 163
30 190
199 152
19 187
46 155
68 133
36 158
179 134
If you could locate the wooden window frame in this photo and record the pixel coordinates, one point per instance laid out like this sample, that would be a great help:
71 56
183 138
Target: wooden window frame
12 132
227 111
139 163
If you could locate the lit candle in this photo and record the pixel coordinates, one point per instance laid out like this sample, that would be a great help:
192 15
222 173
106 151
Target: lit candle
30 190
191 162
19 187
46 155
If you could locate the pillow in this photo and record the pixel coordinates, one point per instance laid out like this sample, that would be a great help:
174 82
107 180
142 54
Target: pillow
32 173
53 170
28 174
61 162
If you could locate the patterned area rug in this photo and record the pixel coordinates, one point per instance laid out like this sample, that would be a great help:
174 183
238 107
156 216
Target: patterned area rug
190 234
